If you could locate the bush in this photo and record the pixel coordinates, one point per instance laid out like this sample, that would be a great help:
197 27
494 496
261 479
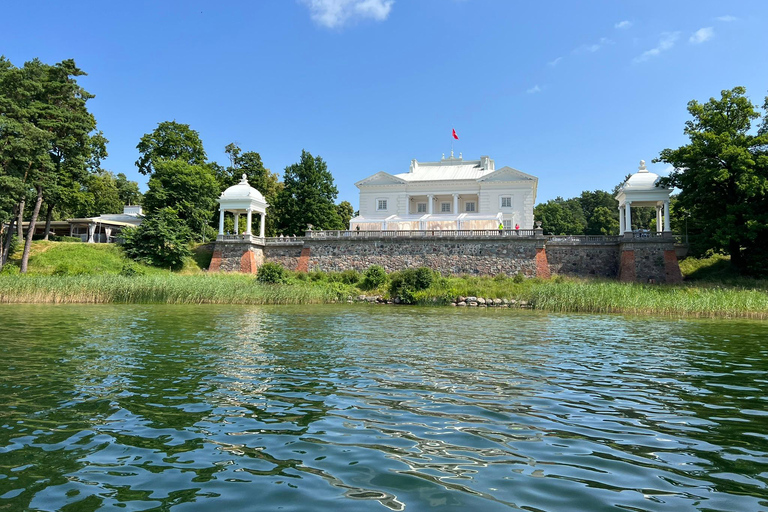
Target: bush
301 276
57 238
519 278
161 240
317 275
10 270
131 269
374 277
272 273
350 277
500 277
405 283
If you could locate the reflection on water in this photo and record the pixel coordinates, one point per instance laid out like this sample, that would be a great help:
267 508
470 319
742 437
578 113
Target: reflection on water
238 408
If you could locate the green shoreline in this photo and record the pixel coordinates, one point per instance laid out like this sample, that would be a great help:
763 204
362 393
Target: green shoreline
555 295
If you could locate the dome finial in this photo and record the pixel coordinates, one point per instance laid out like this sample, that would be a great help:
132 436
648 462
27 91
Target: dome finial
244 181
642 167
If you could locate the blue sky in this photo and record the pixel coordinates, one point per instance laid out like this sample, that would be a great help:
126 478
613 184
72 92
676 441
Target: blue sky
575 93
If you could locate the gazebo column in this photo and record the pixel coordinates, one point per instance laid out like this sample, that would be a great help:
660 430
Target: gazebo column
262 225
627 216
237 223
249 218
430 198
658 217
621 221
667 226
221 221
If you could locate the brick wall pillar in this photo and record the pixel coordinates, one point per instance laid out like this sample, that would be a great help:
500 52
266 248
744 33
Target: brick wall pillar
627 272
542 265
303 265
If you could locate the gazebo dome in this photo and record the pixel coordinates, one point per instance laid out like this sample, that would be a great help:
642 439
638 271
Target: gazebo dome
642 179
242 192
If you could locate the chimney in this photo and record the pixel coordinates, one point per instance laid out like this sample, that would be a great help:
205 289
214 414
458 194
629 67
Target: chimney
414 165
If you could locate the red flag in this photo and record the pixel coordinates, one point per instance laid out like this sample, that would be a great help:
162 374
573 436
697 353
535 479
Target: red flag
454 135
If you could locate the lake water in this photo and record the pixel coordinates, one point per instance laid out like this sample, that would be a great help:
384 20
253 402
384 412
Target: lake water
348 408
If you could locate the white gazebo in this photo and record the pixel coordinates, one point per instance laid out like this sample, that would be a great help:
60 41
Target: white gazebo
241 199
641 190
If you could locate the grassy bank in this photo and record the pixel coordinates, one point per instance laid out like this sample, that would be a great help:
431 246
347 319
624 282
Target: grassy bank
563 295
93 273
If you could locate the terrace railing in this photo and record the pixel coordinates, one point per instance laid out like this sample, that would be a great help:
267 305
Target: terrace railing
585 239
240 238
428 233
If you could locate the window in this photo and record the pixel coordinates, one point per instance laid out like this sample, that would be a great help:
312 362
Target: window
507 224
421 208
469 206
506 201
445 207
381 204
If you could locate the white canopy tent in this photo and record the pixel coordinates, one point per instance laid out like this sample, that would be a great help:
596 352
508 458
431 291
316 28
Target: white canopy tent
428 222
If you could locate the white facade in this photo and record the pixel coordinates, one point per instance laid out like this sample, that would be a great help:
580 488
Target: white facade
450 194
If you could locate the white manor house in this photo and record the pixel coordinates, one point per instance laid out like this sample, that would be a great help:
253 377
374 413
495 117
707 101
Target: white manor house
452 194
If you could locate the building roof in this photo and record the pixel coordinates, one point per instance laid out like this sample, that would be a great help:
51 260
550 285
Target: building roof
642 179
242 192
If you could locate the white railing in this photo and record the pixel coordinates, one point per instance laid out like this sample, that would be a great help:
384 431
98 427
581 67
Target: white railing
428 233
240 238
284 240
585 239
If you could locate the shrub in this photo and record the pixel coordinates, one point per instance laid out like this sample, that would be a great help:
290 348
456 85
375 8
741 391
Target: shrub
10 270
272 273
301 276
317 275
500 277
350 277
374 277
161 240
131 269
405 283
519 278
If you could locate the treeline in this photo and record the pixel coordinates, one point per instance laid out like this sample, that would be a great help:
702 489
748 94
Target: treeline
50 169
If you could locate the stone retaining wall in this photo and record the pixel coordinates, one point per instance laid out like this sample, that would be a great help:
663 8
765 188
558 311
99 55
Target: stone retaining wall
449 256
236 257
583 260
284 254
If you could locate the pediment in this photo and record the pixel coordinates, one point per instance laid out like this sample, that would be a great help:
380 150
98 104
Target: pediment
507 174
380 178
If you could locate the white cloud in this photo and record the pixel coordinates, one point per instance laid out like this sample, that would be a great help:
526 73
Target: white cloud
667 41
336 13
534 90
623 24
701 35
728 18
555 62
592 48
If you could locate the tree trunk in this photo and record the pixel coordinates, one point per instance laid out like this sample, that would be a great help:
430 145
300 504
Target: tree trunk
7 241
48 217
19 223
31 230
734 249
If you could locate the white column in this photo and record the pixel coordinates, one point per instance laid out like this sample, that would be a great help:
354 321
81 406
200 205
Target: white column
237 223
407 204
429 203
627 217
455 204
667 226
658 218
221 221
262 225
91 229
621 221
248 222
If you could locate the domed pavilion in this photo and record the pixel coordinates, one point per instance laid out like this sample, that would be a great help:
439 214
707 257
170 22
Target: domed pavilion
641 189
238 200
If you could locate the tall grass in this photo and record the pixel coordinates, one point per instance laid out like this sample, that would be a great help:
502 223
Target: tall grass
163 288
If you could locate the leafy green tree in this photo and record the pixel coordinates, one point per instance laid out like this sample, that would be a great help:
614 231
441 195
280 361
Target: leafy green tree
259 177
191 190
47 132
170 141
346 212
601 212
561 217
127 190
308 197
102 186
723 175
161 240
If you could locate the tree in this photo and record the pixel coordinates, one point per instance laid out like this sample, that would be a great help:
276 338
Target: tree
170 141
346 212
307 197
561 217
723 174
127 190
600 211
259 177
190 190
161 240
46 133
